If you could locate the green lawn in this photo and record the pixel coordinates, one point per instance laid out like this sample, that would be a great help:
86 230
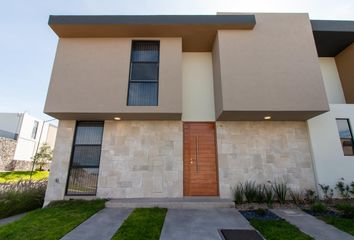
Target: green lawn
24 175
52 222
344 224
142 224
278 230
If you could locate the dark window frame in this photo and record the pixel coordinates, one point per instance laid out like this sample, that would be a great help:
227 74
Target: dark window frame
88 166
351 134
144 81
35 129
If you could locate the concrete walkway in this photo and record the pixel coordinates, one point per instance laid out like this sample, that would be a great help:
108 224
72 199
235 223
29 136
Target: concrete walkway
11 219
311 225
101 226
201 223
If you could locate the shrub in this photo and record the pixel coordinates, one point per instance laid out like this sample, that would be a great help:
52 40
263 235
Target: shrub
318 207
238 193
352 188
296 196
310 195
21 196
260 193
268 195
280 190
250 191
343 189
347 209
327 192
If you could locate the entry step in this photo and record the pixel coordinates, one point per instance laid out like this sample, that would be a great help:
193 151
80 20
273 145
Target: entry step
186 202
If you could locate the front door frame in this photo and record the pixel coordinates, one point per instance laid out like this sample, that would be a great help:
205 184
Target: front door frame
216 158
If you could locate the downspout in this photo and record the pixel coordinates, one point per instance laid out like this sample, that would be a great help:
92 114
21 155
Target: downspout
313 163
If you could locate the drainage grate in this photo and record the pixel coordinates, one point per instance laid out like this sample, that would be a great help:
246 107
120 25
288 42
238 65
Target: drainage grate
240 234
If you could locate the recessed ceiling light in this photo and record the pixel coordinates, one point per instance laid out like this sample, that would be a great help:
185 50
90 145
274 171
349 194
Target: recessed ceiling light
267 117
117 118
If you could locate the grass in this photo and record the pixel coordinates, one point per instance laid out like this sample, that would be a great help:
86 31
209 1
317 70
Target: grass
344 224
24 175
52 222
142 224
278 230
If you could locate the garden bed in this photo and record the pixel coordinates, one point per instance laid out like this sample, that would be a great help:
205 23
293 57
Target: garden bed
21 196
259 214
273 227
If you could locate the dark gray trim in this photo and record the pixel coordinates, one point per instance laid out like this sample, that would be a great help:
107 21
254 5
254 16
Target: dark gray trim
332 37
332 26
151 19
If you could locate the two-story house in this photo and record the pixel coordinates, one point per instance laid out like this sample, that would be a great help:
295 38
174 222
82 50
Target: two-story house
174 106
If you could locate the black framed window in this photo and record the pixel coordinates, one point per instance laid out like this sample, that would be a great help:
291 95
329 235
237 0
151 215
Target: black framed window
346 136
85 159
34 129
144 73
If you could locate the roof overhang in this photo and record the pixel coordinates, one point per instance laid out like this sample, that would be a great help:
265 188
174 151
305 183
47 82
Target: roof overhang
332 37
197 31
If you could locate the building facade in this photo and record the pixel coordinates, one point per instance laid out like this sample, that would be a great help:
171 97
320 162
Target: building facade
174 106
20 136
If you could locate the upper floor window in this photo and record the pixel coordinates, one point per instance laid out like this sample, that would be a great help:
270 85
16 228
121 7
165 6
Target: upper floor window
346 136
144 73
34 129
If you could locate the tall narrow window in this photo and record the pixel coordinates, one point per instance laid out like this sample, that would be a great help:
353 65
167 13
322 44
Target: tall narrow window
34 129
85 159
144 73
346 136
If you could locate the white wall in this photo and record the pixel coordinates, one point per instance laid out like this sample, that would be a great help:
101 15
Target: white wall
198 92
26 145
331 80
329 160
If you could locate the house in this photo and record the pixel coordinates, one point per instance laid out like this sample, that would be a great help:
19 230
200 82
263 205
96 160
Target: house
174 106
20 136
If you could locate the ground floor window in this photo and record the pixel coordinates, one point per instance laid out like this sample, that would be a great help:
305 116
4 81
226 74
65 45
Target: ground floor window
346 136
85 159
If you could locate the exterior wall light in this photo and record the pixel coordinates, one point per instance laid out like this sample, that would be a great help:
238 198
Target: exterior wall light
267 117
117 118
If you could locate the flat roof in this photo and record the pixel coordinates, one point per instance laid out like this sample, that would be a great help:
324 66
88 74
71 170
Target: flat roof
331 36
197 31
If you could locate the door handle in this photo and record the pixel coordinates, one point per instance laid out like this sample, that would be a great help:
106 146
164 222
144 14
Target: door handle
196 153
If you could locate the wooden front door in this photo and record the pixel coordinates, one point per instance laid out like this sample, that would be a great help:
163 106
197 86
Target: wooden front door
199 159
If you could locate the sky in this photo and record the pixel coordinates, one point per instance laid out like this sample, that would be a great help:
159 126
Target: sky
28 45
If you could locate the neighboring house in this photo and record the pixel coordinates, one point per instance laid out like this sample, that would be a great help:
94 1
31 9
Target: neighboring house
20 134
173 106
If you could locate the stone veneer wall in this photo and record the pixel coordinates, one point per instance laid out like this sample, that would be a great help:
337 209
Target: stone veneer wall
7 152
264 151
61 159
141 159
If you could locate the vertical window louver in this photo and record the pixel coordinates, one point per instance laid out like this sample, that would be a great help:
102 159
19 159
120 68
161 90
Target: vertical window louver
144 74
85 159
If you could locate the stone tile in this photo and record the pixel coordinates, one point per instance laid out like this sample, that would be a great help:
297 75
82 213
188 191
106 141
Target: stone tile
263 151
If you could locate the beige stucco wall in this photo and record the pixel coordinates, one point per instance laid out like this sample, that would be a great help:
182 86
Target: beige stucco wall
198 92
273 67
90 80
345 63
141 159
331 80
263 151
60 163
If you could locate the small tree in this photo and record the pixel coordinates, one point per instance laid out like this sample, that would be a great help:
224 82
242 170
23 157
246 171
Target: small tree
43 156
